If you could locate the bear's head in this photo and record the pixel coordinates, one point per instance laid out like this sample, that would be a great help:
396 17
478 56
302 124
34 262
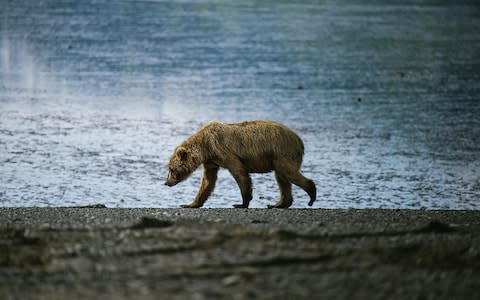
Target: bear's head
181 165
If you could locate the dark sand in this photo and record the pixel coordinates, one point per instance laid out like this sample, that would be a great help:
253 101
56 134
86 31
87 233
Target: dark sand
102 253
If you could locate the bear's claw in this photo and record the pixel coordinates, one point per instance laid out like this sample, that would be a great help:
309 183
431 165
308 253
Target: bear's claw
277 206
189 206
240 206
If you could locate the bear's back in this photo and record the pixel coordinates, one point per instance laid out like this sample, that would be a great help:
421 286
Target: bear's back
255 139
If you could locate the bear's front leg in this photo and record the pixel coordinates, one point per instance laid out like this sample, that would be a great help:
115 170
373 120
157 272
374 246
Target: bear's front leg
245 183
209 179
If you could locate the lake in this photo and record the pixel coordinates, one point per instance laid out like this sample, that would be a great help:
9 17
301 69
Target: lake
95 95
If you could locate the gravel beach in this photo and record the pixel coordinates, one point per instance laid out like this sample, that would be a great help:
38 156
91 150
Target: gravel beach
104 253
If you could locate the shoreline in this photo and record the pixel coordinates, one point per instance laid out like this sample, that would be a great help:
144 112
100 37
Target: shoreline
147 253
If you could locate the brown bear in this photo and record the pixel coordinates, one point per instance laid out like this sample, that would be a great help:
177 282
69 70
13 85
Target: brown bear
242 148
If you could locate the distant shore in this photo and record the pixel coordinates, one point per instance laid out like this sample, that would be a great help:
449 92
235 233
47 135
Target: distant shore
108 253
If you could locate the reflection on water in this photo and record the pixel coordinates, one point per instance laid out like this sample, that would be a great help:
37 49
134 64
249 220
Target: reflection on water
94 95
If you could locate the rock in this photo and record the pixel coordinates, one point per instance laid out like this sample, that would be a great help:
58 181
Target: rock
148 222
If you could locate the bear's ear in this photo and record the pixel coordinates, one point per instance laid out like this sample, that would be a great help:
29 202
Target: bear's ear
182 153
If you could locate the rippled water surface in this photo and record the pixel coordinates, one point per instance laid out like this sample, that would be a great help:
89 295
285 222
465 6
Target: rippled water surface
94 96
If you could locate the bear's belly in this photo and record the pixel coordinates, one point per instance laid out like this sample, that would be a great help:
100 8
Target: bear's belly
258 165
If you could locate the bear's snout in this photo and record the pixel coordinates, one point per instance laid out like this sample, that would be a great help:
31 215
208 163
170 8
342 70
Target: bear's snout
170 182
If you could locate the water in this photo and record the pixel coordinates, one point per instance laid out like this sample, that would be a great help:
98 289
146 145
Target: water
94 96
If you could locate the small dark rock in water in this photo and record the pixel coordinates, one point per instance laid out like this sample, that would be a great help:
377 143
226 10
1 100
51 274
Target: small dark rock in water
147 222
300 87
359 99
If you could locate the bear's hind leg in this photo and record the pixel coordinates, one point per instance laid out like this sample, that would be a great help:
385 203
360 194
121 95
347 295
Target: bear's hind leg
306 184
286 198
292 172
